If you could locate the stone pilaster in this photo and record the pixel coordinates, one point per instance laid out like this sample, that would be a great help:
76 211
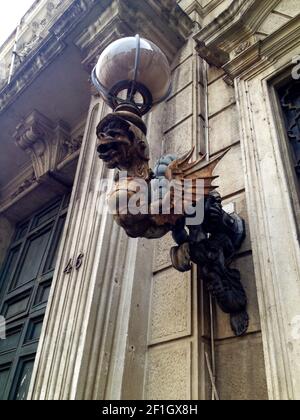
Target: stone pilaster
83 344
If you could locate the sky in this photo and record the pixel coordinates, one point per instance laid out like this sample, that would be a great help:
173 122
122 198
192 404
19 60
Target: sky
11 13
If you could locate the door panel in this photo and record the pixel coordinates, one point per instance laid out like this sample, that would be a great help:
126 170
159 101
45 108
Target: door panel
22 379
25 285
4 374
30 264
16 305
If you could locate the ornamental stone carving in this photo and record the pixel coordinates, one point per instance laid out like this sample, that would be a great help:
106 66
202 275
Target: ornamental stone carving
44 141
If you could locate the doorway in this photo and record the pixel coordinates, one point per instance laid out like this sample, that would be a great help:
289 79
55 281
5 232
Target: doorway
25 282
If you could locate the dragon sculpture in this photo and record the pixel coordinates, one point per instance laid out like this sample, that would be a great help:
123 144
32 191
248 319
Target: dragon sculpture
211 244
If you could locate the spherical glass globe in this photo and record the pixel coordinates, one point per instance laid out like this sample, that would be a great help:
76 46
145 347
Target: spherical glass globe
132 68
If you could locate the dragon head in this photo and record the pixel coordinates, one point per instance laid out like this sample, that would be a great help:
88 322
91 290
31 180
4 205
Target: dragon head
122 141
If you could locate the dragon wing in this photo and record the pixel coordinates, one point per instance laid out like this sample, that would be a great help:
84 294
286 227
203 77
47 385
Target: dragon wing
201 169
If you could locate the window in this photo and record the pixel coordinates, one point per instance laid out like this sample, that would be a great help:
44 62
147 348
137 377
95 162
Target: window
25 283
289 96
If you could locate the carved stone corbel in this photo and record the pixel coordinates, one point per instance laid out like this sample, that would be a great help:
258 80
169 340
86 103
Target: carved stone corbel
44 141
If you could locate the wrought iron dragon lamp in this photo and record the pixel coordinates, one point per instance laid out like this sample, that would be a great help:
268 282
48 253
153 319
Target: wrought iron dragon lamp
133 75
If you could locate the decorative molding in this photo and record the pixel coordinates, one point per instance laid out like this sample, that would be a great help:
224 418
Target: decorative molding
72 144
242 47
232 41
122 18
267 183
11 187
233 31
24 186
202 11
44 49
38 28
28 71
42 46
34 27
45 143
262 53
250 63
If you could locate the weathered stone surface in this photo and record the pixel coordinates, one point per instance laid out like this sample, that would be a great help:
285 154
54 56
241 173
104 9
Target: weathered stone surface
240 369
45 142
169 372
179 140
201 96
184 53
246 268
288 7
182 76
231 172
217 8
170 308
162 248
179 108
273 22
214 73
220 96
273 226
224 129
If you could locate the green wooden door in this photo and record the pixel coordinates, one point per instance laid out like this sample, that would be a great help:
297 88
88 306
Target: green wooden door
25 283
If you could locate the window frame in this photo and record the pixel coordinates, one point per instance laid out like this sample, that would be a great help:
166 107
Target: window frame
284 141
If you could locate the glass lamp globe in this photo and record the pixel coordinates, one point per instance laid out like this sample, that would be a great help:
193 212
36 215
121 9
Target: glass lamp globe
133 71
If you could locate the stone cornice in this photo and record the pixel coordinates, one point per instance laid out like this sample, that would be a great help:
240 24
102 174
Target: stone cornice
13 187
167 26
264 52
202 11
30 69
232 31
32 30
46 48
232 41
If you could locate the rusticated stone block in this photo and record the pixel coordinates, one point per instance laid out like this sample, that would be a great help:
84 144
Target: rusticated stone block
240 369
179 108
231 172
168 374
182 75
220 96
179 140
162 248
224 129
170 308
214 73
185 52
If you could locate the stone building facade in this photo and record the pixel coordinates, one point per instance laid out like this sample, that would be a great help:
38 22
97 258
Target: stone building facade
93 314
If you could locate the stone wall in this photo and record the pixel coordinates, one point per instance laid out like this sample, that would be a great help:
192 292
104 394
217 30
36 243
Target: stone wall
108 322
236 376
255 42
176 337
176 316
